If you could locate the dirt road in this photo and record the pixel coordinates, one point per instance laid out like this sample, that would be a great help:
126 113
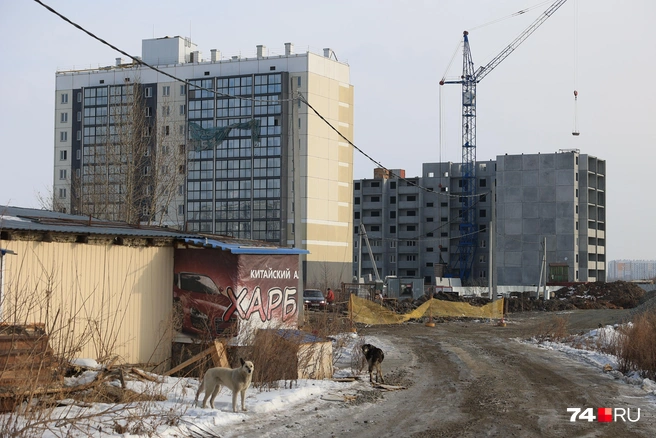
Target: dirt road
469 379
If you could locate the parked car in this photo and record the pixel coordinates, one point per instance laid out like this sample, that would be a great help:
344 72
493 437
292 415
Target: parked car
313 298
199 305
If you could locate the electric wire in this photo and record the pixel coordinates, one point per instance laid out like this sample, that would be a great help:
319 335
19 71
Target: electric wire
141 62
293 99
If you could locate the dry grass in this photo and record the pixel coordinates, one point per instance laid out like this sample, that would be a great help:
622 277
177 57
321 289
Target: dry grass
555 329
635 347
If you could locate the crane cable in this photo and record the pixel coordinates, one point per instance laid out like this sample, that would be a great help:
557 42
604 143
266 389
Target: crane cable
575 132
514 14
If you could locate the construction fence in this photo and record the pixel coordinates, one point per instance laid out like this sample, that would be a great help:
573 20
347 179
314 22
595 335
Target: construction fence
365 311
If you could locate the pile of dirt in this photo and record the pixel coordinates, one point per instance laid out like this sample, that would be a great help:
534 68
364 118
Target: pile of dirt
597 295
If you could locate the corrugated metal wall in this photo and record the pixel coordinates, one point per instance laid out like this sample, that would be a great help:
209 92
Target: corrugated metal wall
97 301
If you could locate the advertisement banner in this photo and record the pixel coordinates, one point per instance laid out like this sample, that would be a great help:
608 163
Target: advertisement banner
215 292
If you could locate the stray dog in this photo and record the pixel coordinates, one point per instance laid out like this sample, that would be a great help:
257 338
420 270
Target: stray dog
374 356
236 379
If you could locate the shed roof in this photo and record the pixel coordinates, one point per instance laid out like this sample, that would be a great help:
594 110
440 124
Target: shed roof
35 220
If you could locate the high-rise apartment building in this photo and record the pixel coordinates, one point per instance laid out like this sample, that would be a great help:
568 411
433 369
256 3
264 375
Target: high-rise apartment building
413 224
219 145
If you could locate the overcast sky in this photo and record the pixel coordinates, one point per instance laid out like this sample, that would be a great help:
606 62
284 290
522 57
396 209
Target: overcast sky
398 52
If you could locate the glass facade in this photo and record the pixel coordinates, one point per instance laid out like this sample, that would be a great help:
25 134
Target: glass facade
234 189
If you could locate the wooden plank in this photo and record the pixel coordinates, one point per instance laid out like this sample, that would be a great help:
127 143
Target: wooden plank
188 362
219 356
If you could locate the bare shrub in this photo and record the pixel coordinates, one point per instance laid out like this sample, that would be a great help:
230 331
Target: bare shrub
555 329
636 347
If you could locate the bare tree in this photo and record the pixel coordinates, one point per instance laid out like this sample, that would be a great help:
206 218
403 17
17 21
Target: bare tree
135 169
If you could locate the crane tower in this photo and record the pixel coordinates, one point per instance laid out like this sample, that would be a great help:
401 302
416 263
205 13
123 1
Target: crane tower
468 237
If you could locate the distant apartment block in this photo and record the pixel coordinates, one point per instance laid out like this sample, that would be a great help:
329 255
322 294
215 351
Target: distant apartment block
628 270
228 148
413 223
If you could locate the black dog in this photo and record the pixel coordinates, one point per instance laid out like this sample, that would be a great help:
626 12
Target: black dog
374 356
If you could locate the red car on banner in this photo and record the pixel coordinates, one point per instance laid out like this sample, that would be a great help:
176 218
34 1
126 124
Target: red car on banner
199 305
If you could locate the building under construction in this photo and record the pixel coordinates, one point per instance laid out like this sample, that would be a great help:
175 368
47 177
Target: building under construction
548 221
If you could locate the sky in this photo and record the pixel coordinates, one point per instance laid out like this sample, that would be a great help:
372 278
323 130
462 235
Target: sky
397 53
181 392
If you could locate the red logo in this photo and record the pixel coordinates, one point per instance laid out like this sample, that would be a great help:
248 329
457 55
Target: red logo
604 415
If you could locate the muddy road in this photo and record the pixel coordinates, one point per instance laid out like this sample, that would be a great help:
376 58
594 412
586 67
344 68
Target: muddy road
471 379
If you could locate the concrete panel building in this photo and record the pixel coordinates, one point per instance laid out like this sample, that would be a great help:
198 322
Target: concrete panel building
413 223
554 198
229 147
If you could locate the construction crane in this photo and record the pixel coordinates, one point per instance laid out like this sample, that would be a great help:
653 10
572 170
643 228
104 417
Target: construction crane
470 77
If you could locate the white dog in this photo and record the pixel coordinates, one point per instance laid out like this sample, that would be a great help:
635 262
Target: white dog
236 379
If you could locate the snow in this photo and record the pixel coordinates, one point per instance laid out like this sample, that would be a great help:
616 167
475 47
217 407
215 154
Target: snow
101 418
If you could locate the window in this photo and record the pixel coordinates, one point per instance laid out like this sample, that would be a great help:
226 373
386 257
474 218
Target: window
483 244
429 234
78 154
356 201
64 98
149 111
78 135
392 199
183 109
183 90
482 213
392 229
429 249
482 182
431 174
392 185
412 198
482 258
79 116
444 234
356 215
148 92
411 228
63 136
410 243
64 117
429 204
444 204
182 169
181 210
356 186
429 219
166 90
393 244
62 174
375 213
62 193
482 274
392 214
375 228
63 155
429 265
411 213
167 130
375 184
375 199
166 110
444 249
392 258
410 258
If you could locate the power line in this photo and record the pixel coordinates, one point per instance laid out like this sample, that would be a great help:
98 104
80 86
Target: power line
300 97
145 64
